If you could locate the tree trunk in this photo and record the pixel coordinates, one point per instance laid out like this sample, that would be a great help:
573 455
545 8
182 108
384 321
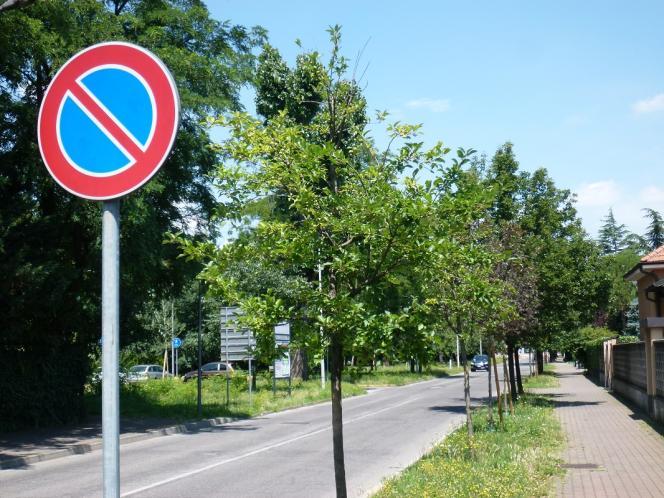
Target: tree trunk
336 367
466 390
412 365
517 367
497 381
299 368
510 363
508 386
540 362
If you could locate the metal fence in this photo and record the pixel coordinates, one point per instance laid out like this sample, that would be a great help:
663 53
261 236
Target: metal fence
629 363
659 367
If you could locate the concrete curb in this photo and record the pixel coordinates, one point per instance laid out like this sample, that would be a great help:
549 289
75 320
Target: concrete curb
184 428
96 443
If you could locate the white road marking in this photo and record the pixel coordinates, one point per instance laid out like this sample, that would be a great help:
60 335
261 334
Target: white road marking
259 450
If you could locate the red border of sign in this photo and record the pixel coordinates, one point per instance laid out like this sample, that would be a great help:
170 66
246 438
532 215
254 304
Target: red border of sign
167 102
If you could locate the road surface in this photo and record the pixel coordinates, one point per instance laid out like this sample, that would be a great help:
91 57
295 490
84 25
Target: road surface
282 454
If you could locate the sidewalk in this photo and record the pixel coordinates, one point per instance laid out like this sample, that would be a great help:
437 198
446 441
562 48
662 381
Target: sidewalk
611 451
18 450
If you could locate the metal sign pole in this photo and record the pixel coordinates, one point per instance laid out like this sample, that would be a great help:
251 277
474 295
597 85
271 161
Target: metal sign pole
322 356
110 332
457 352
228 380
199 389
172 337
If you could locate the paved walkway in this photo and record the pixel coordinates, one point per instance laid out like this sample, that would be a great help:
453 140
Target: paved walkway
611 451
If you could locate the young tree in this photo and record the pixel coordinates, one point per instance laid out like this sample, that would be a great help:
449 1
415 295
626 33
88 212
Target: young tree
349 207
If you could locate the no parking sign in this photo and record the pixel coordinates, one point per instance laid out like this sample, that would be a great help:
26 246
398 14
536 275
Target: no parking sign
108 120
106 124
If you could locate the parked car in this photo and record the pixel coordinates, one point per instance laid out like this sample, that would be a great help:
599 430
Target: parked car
98 375
479 362
146 372
209 370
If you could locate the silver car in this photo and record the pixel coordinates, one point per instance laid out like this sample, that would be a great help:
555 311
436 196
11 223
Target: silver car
146 372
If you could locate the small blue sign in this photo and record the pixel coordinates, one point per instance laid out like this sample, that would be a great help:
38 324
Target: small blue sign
177 342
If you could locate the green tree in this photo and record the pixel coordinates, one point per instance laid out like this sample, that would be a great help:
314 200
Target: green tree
350 207
620 293
611 235
49 240
503 177
655 233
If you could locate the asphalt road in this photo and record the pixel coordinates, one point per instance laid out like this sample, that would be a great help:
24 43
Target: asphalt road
282 454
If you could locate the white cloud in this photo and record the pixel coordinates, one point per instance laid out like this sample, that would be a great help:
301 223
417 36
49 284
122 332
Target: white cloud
651 195
652 104
604 193
595 200
433 105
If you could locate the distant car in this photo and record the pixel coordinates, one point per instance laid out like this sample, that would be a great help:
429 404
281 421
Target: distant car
98 375
146 372
209 370
479 362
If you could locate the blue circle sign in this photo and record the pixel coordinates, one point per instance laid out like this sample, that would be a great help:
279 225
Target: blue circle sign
108 120
177 342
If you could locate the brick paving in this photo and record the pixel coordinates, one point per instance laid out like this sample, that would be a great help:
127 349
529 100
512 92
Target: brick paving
617 454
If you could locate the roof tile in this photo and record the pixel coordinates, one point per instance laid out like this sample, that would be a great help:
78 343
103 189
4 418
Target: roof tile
657 256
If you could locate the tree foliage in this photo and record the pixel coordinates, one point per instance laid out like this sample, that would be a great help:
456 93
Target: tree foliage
49 240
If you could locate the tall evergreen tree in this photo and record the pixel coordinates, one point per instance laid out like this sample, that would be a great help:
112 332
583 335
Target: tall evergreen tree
655 234
611 235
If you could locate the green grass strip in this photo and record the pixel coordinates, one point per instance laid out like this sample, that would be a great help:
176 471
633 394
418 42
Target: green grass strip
517 460
174 400
544 380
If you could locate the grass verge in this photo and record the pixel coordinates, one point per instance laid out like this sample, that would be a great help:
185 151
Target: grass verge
546 379
517 460
174 400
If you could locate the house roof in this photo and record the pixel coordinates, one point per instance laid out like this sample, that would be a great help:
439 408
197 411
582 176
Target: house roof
650 261
656 256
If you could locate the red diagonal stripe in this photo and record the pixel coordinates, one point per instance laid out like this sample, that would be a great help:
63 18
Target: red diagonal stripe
109 125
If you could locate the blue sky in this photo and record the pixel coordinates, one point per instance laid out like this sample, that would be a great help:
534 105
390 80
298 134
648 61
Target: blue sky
578 87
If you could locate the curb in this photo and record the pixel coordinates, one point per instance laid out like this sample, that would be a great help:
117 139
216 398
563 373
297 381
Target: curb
95 444
184 428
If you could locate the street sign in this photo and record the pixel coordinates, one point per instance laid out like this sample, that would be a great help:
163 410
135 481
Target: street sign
108 120
282 367
106 124
177 342
237 344
282 334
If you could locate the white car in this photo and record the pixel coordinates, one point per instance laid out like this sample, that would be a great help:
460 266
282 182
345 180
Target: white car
146 372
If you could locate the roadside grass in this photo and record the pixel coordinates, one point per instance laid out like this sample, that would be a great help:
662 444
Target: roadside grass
396 375
517 460
174 400
546 379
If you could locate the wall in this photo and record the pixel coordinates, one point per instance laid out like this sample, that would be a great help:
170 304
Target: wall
629 373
